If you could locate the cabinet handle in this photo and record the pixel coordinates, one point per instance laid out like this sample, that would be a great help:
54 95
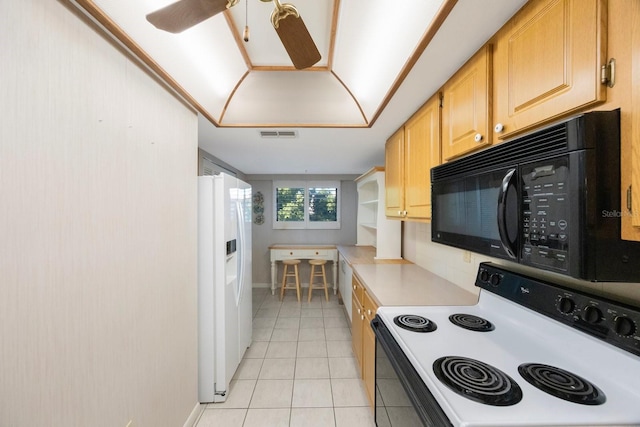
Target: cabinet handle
354 287
629 204
358 311
399 213
369 312
608 73
362 317
404 213
478 137
290 253
498 128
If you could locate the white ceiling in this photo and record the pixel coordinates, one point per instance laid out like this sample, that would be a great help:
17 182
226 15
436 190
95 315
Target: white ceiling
342 110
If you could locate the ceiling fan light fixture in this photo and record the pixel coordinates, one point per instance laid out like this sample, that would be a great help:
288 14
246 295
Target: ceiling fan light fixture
281 12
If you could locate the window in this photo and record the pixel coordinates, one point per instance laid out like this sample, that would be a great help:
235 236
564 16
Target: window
311 204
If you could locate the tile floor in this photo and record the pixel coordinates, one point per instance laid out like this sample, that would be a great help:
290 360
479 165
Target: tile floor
299 370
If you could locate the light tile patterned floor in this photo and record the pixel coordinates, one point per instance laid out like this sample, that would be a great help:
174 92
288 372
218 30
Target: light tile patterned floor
299 370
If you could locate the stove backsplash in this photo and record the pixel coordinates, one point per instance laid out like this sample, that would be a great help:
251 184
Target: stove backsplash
461 267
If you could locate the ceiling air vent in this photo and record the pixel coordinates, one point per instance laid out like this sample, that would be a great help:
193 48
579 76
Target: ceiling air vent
278 133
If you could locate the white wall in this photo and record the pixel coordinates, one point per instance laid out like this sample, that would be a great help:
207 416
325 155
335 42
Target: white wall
461 267
97 231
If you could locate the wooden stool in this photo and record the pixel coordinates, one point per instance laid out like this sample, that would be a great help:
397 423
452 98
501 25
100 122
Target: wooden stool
293 273
320 273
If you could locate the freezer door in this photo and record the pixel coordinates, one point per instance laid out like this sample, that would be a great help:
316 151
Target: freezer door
245 282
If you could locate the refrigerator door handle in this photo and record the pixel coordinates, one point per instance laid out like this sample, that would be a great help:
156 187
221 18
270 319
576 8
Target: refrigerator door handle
241 250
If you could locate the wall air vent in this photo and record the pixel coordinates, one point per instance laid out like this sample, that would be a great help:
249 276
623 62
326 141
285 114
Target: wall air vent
278 133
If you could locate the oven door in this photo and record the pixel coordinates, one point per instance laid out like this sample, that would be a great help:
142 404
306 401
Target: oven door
402 398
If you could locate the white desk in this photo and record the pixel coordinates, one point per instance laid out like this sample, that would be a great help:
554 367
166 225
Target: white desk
282 252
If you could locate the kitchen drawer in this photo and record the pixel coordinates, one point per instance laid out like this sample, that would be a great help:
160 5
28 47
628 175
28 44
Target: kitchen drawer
304 253
369 306
358 290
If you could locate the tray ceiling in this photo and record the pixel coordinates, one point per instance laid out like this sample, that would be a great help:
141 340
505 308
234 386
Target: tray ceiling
380 62
365 47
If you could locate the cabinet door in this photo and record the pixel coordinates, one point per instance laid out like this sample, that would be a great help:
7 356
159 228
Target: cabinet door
394 175
465 107
369 363
421 153
631 144
357 322
369 308
547 62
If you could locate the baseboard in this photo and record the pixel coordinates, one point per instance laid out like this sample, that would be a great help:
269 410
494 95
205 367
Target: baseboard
260 285
195 415
268 285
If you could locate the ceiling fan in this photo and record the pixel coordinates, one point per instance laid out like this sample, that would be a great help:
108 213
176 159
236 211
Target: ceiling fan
285 18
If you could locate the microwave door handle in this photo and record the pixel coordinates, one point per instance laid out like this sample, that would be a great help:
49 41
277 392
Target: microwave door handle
508 246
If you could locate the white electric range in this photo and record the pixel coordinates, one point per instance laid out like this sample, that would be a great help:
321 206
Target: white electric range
530 353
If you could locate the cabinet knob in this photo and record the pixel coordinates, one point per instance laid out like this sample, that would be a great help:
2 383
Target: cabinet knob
290 253
478 137
400 213
499 127
358 311
369 312
354 287
362 317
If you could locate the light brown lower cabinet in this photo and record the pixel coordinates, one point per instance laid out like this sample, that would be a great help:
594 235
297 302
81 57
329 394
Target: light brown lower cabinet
363 338
369 349
357 322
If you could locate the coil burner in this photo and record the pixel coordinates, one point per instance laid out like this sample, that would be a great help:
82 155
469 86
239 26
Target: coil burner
563 384
415 323
471 322
477 381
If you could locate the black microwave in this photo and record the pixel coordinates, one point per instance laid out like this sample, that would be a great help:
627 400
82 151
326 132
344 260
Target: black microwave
550 199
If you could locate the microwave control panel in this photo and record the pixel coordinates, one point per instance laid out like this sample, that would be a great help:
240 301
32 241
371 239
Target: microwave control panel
545 214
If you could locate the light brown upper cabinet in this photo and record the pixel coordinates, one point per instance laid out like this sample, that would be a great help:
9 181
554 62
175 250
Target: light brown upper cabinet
626 44
635 119
410 154
394 174
547 63
466 102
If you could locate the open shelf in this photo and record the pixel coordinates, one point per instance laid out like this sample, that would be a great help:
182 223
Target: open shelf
373 227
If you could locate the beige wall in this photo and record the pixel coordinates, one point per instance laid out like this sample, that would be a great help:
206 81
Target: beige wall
460 267
97 231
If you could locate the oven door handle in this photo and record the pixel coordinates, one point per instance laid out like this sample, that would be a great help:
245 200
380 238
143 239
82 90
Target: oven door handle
503 212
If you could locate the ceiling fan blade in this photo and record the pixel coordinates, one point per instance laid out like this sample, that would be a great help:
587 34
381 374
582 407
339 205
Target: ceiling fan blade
297 41
184 14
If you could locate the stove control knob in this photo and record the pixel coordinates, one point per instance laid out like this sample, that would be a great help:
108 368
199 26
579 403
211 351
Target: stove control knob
566 305
495 279
484 275
624 326
592 314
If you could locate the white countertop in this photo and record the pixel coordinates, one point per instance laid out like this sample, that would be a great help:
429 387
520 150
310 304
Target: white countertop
409 284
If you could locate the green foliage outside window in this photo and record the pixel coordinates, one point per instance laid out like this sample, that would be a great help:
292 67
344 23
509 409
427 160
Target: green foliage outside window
322 204
290 203
300 205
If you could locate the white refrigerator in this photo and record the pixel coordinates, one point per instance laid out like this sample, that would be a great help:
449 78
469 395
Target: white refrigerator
224 282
